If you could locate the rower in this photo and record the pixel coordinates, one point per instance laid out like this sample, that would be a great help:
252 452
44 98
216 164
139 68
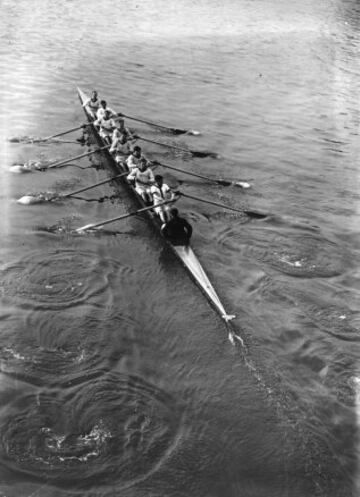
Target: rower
103 108
144 179
107 125
178 231
161 192
133 160
121 131
93 103
120 147
120 139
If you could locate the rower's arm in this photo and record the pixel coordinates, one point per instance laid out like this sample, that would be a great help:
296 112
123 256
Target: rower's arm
114 145
131 135
170 192
130 162
132 175
151 176
113 113
165 230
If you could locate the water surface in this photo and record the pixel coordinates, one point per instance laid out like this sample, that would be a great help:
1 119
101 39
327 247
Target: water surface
116 374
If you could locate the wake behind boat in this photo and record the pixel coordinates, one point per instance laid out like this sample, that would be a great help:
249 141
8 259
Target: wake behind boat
184 253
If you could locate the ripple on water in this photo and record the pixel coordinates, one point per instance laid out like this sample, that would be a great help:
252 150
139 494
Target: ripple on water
301 254
42 352
116 429
65 351
57 279
331 319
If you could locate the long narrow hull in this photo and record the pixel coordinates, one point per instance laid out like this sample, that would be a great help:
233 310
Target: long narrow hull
189 259
184 253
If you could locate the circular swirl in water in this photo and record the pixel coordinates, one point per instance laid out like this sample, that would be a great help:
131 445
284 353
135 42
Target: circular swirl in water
56 280
65 351
115 430
303 255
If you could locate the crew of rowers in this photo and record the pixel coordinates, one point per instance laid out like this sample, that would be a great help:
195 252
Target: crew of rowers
152 189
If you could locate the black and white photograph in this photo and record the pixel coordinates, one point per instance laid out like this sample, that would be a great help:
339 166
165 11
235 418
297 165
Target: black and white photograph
180 248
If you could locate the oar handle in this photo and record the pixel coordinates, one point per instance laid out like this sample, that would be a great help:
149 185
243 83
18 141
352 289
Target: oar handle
103 182
66 161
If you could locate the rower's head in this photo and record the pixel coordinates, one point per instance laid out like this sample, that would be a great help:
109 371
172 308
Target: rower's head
159 180
143 164
94 95
107 114
174 212
137 151
103 104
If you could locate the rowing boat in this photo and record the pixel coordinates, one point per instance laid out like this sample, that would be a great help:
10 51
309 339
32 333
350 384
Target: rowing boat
184 253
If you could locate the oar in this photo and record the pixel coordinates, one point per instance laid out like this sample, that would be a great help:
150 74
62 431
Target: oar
223 182
50 197
94 185
66 161
175 131
63 133
40 140
195 153
83 125
123 216
254 214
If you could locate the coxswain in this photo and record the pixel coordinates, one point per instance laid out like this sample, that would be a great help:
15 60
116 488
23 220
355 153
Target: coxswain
161 193
134 158
144 179
178 231
103 107
107 125
92 103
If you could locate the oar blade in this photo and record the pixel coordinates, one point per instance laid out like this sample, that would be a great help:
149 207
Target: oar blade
242 184
177 131
204 154
39 198
29 200
256 215
224 182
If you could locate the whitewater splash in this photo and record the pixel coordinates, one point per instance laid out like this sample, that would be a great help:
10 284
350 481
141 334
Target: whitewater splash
27 167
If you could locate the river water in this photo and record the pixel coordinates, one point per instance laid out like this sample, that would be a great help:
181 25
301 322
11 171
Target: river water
116 376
